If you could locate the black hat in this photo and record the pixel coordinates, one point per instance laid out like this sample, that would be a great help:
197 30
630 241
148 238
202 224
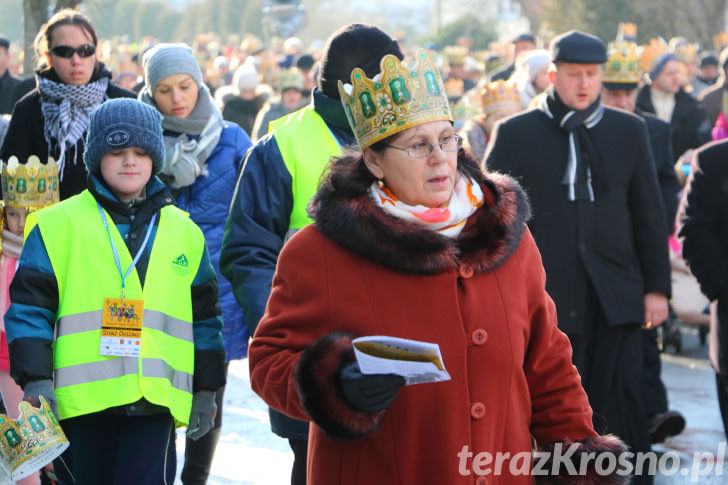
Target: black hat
578 48
305 62
524 37
4 42
708 59
354 45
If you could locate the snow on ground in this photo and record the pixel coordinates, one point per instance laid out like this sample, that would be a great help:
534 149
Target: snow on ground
248 452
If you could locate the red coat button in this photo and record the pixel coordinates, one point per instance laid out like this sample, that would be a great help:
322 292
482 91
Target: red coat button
477 410
479 336
481 481
466 271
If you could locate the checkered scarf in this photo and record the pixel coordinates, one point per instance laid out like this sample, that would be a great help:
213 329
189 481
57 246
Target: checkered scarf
66 109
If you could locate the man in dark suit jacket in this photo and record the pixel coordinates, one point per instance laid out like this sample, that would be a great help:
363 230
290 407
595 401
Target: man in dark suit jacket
8 83
599 224
619 90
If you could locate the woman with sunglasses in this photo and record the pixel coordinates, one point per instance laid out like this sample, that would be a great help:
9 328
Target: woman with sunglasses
412 240
51 120
204 156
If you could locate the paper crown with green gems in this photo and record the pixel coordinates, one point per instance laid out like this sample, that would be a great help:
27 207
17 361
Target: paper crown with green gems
398 98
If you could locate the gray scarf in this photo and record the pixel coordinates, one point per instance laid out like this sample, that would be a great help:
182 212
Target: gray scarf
66 109
193 140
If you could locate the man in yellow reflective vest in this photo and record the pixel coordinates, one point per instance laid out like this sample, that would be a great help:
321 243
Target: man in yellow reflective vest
281 174
114 316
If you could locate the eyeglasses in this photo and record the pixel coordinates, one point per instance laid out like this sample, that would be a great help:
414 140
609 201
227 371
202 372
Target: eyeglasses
420 150
66 51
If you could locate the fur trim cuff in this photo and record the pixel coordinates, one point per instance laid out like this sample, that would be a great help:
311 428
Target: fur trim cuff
316 380
570 469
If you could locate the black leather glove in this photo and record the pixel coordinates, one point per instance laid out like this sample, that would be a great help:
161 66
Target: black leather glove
368 393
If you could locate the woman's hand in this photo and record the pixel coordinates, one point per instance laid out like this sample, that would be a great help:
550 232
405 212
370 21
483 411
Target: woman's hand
368 393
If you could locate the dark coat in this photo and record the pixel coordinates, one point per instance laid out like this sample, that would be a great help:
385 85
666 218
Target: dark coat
712 99
502 73
618 243
690 127
25 135
8 85
242 111
664 158
703 221
364 272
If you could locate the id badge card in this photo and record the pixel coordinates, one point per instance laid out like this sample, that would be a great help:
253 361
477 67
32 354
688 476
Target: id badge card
121 327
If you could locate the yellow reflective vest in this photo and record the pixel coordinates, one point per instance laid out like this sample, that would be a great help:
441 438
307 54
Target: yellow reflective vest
306 145
83 262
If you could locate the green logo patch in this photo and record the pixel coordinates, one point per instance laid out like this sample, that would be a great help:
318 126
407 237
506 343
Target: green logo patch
180 264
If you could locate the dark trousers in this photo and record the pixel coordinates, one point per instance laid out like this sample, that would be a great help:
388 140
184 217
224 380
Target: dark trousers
199 453
117 449
722 385
300 455
611 365
654 394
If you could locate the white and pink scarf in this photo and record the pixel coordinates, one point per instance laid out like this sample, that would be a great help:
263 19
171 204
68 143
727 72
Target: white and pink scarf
449 221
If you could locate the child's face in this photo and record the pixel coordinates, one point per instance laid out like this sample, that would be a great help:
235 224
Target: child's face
15 219
127 171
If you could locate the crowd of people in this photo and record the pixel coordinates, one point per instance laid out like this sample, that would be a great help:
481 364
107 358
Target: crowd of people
276 203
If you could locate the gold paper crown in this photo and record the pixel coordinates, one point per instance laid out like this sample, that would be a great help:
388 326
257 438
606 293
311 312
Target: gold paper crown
720 40
398 98
454 88
455 54
290 79
30 442
500 95
31 185
623 63
627 31
652 52
684 50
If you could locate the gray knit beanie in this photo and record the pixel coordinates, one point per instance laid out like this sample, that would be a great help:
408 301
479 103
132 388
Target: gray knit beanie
124 123
164 60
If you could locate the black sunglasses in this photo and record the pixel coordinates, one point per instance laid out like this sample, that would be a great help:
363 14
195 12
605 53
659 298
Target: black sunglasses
65 51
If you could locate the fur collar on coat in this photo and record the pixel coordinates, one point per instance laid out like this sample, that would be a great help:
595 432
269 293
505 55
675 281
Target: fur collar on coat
490 236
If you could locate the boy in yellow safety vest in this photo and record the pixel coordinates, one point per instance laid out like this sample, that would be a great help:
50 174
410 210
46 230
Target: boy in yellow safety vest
114 316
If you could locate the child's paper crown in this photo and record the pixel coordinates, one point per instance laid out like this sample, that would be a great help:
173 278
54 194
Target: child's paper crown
30 442
32 185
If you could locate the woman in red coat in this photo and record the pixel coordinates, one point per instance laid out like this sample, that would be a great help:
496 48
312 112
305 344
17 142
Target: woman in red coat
412 240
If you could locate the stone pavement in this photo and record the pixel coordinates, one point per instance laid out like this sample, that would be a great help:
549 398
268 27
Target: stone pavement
690 382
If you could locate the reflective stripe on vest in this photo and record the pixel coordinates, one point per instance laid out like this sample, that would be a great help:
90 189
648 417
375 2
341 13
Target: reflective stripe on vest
83 263
306 145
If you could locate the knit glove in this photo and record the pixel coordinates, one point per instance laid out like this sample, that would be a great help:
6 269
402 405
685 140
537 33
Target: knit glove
368 393
43 387
202 415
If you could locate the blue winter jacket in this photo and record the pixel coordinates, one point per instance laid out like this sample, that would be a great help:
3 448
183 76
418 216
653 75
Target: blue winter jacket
208 201
258 225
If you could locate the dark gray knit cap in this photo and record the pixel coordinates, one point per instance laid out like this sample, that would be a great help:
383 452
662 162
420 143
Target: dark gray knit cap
164 60
124 123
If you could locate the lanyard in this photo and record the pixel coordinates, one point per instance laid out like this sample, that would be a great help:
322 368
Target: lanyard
116 253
